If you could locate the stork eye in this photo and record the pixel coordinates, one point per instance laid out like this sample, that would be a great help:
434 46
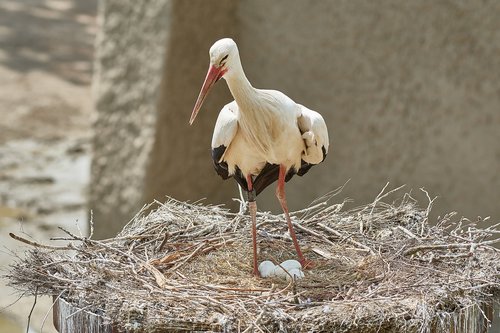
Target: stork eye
222 60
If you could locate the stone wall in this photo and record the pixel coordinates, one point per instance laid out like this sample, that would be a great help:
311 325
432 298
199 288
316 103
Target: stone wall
410 92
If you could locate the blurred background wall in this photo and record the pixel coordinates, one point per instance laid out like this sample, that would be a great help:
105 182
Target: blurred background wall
46 56
410 92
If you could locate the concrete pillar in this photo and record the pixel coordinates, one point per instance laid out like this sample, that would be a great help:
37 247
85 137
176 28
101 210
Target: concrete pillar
130 55
180 163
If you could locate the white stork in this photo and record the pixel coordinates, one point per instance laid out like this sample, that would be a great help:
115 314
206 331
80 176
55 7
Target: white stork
260 137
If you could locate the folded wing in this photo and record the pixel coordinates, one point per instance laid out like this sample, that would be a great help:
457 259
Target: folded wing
224 132
315 134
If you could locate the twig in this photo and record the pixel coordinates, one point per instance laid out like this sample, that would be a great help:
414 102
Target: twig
216 246
200 232
321 202
312 232
450 246
352 241
427 211
35 244
75 237
322 252
3 308
31 311
308 209
163 242
378 198
91 223
51 307
186 259
407 232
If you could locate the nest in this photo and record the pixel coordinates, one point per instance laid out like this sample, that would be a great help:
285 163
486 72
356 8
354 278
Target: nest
182 266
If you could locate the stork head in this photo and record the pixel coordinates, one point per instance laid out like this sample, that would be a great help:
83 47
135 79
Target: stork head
223 54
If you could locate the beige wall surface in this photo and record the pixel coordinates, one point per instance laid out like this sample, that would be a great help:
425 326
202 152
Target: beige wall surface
410 92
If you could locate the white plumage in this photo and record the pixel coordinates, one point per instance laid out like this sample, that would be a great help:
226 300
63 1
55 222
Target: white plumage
292 134
262 136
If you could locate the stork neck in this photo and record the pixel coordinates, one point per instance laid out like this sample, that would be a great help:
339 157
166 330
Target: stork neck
254 117
241 89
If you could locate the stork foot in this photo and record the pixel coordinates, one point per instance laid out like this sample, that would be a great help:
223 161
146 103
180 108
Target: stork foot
307 264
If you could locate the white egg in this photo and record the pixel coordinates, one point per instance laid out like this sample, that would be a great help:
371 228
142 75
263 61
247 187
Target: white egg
266 268
291 264
295 273
280 272
283 270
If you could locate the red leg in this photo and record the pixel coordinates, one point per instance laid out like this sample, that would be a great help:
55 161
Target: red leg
252 207
280 193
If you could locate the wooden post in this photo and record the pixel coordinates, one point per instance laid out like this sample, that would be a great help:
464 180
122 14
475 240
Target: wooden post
70 319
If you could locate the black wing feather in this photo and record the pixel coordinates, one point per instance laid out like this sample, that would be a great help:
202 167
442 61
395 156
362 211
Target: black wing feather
268 175
220 167
304 166
240 179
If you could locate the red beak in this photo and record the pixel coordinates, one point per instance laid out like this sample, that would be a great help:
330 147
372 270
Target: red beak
213 75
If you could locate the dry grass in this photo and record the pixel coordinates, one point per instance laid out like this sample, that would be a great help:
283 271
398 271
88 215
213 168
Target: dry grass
380 267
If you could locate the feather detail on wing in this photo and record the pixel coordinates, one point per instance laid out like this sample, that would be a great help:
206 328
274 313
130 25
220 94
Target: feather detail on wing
315 135
226 127
224 132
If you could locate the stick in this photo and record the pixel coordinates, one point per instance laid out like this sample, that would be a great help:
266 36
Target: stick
415 249
376 201
322 201
352 241
427 211
380 196
188 257
164 241
314 233
377 198
35 244
91 222
31 311
51 307
407 232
